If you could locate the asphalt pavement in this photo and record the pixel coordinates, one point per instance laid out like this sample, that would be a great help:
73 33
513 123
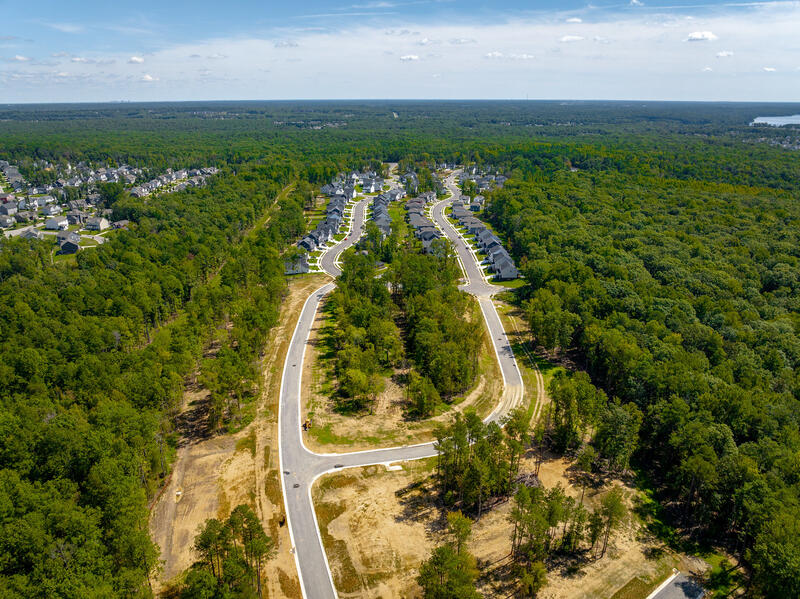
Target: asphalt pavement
301 467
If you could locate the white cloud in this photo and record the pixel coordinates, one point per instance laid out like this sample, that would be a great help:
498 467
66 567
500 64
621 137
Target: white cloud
574 20
646 59
637 3
62 74
20 58
66 27
498 55
217 56
60 55
701 36
409 58
724 54
426 41
135 60
707 69
147 78
286 44
770 69
79 59
567 39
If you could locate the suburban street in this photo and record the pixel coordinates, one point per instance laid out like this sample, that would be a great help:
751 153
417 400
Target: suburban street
302 467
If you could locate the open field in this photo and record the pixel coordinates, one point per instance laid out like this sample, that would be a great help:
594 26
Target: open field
379 525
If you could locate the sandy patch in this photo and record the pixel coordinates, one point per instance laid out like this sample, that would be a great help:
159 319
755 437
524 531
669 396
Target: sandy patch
378 526
213 476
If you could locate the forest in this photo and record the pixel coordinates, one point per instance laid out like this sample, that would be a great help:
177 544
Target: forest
658 242
94 359
680 300
410 312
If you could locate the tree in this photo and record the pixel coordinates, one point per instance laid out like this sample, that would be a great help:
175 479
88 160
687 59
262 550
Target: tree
448 575
596 525
422 394
460 527
618 433
613 512
584 464
533 579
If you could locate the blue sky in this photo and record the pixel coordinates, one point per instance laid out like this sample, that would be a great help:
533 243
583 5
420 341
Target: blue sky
180 50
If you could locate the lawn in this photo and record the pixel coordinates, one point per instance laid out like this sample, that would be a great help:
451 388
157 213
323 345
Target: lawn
398 215
512 284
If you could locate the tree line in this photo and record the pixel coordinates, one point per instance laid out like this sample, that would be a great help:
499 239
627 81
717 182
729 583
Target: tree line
680 300
411 312
95 358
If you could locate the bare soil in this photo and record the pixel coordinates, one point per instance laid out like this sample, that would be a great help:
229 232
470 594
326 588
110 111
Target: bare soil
378 526
212 474
386 425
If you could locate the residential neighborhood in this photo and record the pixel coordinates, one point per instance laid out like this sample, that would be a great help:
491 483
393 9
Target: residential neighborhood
423 227
33 212
497 257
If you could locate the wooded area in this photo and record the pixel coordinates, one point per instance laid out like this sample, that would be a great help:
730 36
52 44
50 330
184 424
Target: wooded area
659 243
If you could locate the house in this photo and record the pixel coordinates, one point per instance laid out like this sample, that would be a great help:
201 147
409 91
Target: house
51 210
504 269
7 222
63 236
416 221
459 212
485 237
297 265
9 209
428 197
474 207
120 224
23 216
427 235
69 247
492 244
308 243
76 217
497 252
32 233
97 223
57 223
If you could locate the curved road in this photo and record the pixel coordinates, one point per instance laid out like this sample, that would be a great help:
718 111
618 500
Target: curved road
301 467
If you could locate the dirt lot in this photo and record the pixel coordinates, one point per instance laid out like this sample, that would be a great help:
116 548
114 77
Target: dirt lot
213 474
379 525
386 426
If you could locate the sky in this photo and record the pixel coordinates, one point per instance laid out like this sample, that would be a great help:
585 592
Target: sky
91 50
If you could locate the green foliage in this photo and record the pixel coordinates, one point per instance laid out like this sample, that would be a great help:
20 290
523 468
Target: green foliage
477 462
94 362
366 339
443 329
232 555
448 575
686 298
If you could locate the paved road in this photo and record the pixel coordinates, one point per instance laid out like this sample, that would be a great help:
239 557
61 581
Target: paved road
301 467
680 587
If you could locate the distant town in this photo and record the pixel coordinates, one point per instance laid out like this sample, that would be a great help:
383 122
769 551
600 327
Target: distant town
70 208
